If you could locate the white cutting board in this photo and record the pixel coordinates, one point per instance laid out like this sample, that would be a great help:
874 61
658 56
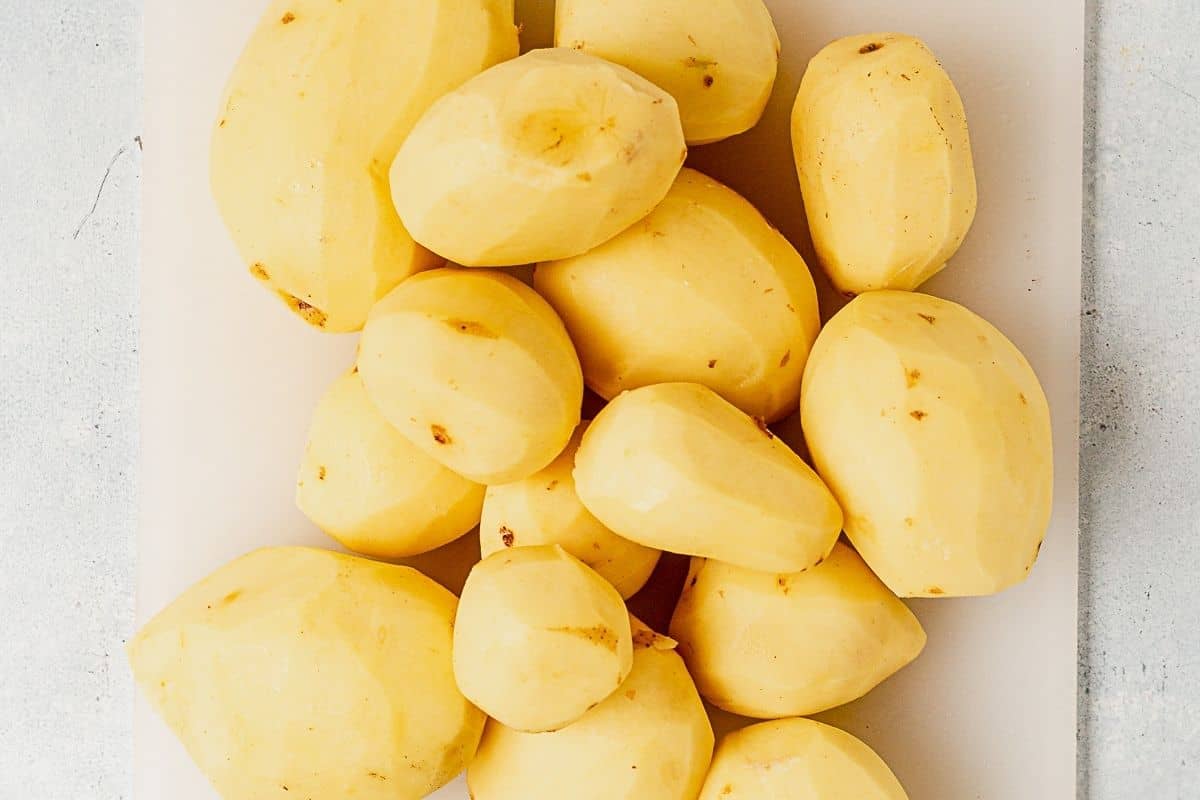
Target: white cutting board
229 377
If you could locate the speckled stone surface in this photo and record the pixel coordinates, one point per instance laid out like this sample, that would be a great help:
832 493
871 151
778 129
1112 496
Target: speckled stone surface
69 167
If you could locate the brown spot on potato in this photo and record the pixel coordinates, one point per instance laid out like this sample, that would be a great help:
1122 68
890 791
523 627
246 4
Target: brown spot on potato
870 48
709 80
321 473
712 363
696 62
782 583
472 328
721 593
597 634
918 415
908 521
222 123
305 310
507 536
550 487
259 271
644 637
586 177
376 776
787 357
232 597
928 318
631 694
935 591
354 371
288 18
905 77
912 377
762 426
440 434
1024 400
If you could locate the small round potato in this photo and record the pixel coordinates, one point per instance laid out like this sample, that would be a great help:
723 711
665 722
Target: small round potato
884 157
544 509
799 759
374 491
719 62
771 645
741 305
476 369
677 468
540 638
539 158
651 740
933 432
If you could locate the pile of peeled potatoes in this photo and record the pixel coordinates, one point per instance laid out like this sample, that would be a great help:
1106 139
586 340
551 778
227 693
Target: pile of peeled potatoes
382 165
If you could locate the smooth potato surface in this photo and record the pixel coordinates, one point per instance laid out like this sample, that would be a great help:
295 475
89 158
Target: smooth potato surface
373 490
540 638
476 369
798 759
544 509
771 645
717 59
884 158
650 740
540 158
314 113
702 290
304 673
675 467
933 432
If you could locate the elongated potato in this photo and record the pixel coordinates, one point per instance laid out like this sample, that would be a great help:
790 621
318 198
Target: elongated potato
540 638
719 62
772 645
316 110
374 491
540 158
544 509
799 759
675 467
303 673
742 305
651 740
476 369
934 433
884 157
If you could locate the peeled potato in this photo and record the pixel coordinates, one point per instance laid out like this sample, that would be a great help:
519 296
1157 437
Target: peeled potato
540 638
540 158
742 305
771 645
303 673
476 369
677 468
373 490
798 759
719 62
314 113
884 157
544 509
651 740
934 433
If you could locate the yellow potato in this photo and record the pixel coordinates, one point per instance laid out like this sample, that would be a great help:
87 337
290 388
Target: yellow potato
544 509
798 759
771 645
373 490
718 63
476 369
540 638
934 434
314 113
703 290
296 673
884 157
677 468
651 740
540 158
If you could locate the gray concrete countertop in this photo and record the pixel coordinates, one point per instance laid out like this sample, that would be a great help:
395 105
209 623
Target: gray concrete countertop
69 169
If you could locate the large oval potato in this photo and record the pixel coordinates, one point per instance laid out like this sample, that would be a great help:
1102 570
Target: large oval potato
373 490
544 509
798 759
884 157
933 432
771 645
476 369
540 158
742 305
314 113
303 673
650 740
677 468
719 64
540 638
